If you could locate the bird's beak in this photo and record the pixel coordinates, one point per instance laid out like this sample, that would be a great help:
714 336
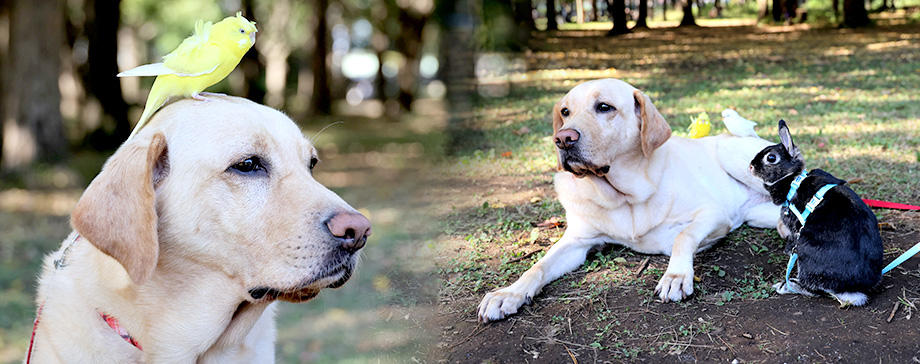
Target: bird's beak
252 37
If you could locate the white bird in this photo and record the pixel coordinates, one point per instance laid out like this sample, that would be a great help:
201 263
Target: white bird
738 125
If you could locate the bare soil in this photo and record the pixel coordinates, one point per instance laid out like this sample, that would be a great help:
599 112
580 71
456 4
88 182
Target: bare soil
605 312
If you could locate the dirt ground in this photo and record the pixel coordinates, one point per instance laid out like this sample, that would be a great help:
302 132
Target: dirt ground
606 311
731 316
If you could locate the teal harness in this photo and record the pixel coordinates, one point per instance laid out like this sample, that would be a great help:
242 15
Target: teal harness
810 207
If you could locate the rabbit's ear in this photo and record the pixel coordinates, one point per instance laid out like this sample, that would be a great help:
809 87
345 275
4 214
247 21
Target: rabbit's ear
786 138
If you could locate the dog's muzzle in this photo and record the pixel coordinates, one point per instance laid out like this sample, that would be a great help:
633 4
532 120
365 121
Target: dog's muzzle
574 163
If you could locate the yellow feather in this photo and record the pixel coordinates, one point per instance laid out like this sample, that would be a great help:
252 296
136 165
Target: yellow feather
202 60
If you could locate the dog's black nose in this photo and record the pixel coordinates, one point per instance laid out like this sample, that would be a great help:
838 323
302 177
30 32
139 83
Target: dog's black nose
351 229
566 138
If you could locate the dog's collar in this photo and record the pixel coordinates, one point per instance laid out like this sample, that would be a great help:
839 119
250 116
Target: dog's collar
121 331
811 205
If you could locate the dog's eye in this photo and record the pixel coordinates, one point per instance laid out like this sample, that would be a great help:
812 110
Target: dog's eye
313 161
603 107
249 165
771 158
564 111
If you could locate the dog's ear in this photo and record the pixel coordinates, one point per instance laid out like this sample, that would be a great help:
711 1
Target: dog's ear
117 211
557 124
653 130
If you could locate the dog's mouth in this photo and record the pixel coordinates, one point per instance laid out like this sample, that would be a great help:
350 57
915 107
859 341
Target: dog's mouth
578 166
332 276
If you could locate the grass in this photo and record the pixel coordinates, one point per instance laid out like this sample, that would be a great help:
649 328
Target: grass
850 97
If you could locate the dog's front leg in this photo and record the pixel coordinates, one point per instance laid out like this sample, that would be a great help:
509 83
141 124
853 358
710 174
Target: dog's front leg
565 256
677 281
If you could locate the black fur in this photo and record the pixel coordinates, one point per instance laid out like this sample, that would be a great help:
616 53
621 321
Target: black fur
840 249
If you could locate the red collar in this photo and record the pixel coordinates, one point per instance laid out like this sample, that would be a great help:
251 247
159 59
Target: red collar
121 331
109 320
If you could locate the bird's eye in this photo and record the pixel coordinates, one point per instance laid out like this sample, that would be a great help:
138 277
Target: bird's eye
564 111
603 107
771 158
249 165
313 161
242 31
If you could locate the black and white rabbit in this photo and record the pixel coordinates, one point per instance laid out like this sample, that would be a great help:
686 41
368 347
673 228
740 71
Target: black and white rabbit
839 248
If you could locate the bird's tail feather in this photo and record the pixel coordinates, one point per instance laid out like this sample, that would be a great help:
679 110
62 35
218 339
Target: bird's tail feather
155 100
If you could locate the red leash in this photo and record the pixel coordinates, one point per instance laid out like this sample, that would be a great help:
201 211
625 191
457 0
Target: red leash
890 205
38 315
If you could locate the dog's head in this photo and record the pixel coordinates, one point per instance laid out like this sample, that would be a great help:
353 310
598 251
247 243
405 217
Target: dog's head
599 121
226 185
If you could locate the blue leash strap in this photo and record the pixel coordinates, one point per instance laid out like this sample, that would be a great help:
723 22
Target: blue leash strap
811 205
790 265
900 259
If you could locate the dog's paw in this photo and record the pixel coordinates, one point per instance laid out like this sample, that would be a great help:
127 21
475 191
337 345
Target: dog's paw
675 286
499 304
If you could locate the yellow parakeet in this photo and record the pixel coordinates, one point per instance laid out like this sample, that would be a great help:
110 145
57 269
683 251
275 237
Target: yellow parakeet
203 59
699 126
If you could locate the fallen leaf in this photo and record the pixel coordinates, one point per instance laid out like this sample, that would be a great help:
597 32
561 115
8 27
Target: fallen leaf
507 154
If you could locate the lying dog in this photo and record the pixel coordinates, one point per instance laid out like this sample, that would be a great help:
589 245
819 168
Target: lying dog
628 182
186 237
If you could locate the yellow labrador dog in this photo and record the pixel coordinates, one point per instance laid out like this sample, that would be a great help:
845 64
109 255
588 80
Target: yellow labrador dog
186 237
627 181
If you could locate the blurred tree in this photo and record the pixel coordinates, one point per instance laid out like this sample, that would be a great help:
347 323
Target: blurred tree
412 17
777 10
617 10
763 9
321 102
716 9
595 15
102 19
579 11
253 72
523 16
551 15
664 9
854 13
643 14
687 20
32 127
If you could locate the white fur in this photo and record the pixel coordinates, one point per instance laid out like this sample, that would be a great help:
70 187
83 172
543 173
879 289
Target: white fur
684 196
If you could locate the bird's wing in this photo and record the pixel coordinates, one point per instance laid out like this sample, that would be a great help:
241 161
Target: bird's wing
195 56
154 69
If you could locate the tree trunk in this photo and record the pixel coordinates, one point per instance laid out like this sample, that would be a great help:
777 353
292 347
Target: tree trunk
617 10
595 13
664 9
321 102
551 15
717 6
643 13
778 10
579 11
101 27
688 19
409 43
252 68
523 16
763 7
854 14
836 5
32 129
790 7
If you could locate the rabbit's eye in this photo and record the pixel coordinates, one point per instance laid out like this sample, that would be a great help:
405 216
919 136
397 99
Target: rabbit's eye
771 158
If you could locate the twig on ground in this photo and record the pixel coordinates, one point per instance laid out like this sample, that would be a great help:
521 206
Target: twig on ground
893 311
642 266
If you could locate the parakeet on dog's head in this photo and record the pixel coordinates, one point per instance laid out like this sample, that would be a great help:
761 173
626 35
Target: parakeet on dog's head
201 60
